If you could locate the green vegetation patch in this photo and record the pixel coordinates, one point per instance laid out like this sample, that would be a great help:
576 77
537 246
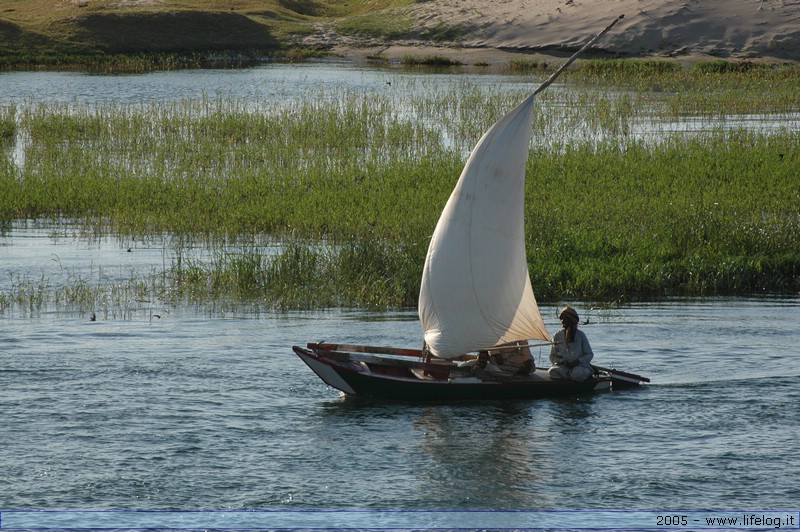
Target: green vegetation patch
8 126
692 216
34 34
526 66
612 69
429 60
378 25
623 202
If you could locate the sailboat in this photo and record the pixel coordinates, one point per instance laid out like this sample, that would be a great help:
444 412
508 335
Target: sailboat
476 301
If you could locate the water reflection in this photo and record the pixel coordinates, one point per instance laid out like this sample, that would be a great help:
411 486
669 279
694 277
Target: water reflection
573 415
483 455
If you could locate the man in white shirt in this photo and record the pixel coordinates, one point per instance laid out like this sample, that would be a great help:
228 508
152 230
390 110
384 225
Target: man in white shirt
571 354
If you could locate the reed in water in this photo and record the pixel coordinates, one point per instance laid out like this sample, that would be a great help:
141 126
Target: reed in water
645 192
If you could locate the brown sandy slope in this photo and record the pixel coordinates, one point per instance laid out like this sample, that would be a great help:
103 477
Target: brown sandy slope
683 29
485 30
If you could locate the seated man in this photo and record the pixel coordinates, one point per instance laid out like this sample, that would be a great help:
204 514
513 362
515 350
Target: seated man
513 359
571 354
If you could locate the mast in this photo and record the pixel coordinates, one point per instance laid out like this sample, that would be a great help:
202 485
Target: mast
476 291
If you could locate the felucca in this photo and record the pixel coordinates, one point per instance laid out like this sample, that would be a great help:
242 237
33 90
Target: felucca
476 300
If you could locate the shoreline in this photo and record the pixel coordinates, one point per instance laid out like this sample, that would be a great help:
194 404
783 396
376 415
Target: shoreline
494 59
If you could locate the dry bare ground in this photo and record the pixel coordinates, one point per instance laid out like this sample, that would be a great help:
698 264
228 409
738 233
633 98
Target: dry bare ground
683 29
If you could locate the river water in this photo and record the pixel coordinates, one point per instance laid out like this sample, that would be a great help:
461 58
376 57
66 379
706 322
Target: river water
180 408
191 412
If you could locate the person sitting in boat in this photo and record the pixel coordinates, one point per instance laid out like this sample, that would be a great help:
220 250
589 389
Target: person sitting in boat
510 359
571 354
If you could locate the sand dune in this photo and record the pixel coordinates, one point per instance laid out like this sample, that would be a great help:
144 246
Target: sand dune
730 29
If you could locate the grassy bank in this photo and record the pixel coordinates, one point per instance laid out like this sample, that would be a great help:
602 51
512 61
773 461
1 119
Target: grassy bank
622 203
101 35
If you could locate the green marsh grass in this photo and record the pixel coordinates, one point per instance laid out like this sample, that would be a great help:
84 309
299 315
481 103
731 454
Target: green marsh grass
692 216
526 66
623 200
715 88
132 63
429 60
362 272
8 125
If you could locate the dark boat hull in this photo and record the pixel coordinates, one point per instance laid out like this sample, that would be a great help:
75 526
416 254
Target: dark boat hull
369 376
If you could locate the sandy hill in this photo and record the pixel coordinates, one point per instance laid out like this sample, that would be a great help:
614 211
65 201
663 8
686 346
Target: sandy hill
683 29
731 29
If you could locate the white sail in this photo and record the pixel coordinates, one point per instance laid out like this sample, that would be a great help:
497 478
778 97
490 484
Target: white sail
476 291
